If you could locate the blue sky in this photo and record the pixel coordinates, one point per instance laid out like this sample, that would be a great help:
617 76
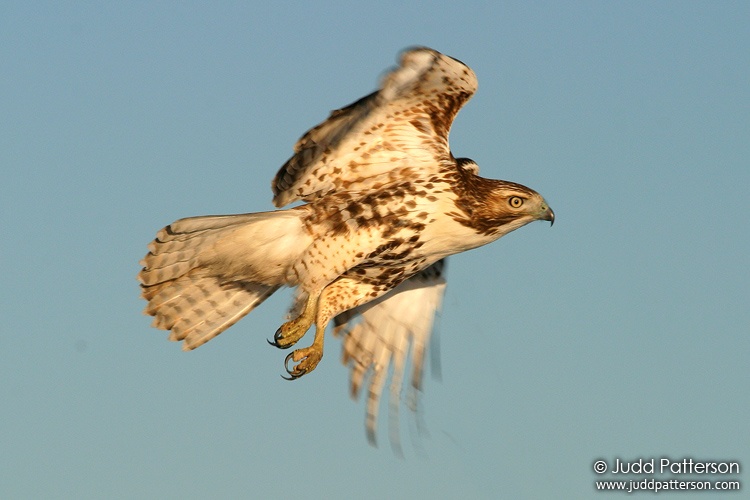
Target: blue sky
621 332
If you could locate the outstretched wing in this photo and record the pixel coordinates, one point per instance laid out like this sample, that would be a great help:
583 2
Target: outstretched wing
384 331
397 130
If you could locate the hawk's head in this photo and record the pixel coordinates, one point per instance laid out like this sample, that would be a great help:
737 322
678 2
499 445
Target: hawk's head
496 207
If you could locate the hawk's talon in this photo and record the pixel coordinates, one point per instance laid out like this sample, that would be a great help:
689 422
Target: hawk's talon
308 358
290 332
277 337
291 372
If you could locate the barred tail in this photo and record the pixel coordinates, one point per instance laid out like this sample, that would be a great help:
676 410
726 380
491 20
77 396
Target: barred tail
203 274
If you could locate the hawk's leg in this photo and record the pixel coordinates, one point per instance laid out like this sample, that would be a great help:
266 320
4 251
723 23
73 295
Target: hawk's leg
290 332
343 294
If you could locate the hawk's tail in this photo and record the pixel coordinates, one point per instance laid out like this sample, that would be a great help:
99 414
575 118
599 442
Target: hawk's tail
203 274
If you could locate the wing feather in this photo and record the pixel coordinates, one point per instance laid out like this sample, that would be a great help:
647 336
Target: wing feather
379 336
399 129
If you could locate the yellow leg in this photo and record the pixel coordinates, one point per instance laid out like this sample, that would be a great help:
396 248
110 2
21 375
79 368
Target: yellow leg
339 296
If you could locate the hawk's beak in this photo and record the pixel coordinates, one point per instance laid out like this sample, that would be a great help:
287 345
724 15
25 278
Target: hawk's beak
549 215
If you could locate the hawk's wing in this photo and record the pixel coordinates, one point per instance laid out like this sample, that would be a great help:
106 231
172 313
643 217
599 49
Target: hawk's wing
384 331
399 129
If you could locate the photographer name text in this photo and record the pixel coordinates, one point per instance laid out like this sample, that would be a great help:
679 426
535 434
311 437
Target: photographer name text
667 465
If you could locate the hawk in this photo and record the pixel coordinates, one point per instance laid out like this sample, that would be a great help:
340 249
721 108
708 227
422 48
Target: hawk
384 203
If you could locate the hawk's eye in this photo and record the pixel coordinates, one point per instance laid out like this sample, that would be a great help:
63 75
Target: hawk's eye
515 202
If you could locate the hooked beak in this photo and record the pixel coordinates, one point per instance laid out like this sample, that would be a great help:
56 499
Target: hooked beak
549 215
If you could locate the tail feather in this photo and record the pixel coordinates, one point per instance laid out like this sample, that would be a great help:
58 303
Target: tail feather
222 306
203 274
213 222
190 243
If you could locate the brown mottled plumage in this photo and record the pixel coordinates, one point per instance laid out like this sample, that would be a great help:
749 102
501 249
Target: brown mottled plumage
385 203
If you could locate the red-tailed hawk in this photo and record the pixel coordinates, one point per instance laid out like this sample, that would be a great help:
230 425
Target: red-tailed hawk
385 203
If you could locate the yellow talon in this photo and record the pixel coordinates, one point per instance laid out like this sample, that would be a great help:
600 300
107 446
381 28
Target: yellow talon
290 332
308 357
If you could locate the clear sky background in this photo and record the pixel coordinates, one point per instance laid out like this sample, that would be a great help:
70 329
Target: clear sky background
621 332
